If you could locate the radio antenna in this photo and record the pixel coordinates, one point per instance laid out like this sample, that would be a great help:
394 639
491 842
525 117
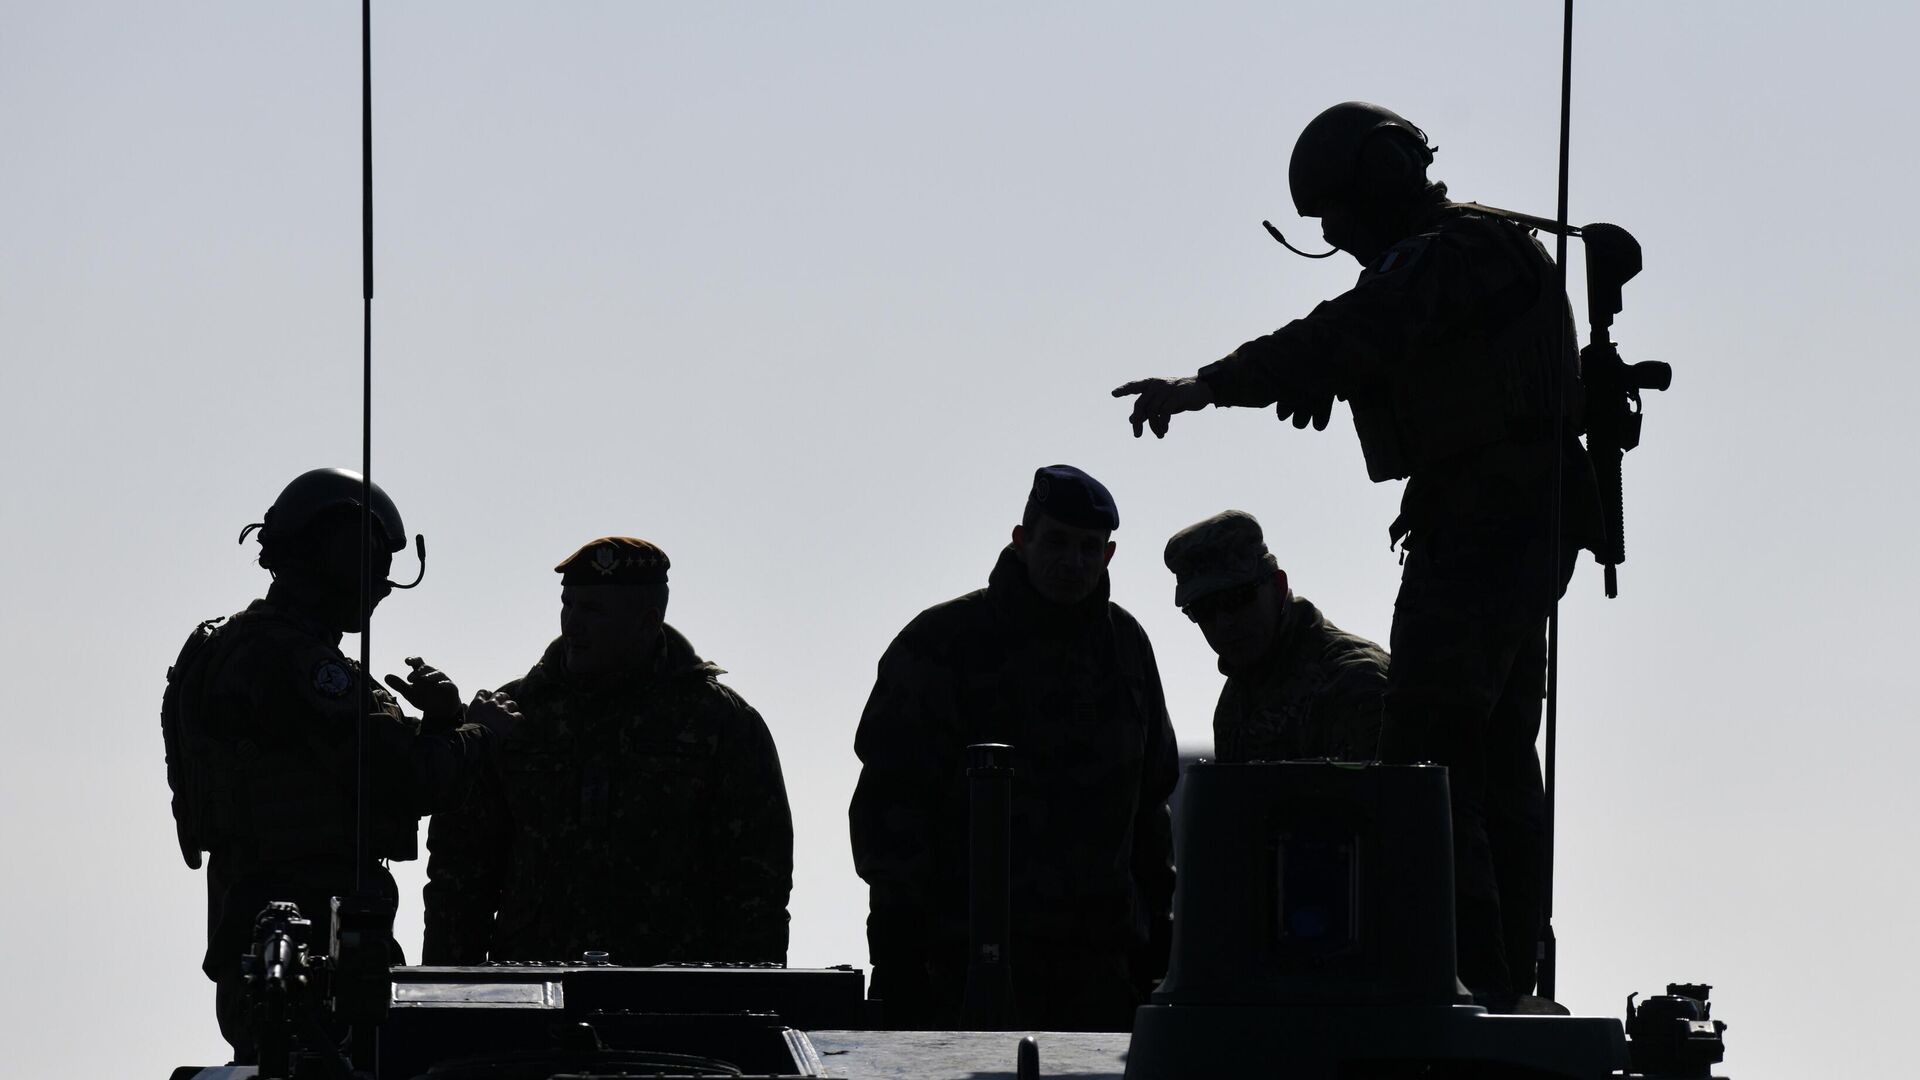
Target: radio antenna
1547 952
362 816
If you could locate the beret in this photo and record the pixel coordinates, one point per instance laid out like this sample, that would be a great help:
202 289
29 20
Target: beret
1071 497
614 560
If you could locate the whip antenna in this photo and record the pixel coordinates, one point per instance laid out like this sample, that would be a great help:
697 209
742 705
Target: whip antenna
1546 955
362 818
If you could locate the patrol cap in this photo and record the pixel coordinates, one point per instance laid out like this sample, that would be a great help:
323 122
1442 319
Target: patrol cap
1224 551
614 560
1071 497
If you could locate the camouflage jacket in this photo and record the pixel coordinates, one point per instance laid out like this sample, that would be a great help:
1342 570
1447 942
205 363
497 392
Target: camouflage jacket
1076 693
1317 694
1448 340
641 814
266 730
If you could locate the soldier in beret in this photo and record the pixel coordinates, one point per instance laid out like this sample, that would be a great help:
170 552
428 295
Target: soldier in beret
1039 659
638 809
1297 685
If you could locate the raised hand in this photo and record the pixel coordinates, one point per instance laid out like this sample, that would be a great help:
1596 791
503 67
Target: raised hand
428 689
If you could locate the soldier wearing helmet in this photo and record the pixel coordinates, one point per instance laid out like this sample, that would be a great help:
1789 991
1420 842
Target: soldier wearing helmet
1455 351
260 718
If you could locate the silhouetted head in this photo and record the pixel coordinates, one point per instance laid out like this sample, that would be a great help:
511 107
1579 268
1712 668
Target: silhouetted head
1229 584
1063 537
1241 623
613 601
1362 170
310 539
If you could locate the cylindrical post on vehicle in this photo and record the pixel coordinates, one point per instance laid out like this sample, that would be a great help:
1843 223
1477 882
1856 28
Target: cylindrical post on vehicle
989 1000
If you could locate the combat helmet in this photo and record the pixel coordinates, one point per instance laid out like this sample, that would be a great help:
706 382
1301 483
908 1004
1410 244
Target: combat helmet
318 490
1329 156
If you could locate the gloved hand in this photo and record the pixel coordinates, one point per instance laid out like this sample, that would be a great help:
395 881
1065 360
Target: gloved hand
1161 398
496 712
1316 410
428 689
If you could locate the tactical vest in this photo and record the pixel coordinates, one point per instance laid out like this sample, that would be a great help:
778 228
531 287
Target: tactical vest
242 794
1475 382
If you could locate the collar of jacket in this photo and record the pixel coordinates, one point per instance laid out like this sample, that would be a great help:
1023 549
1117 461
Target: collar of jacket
673 656
1015 598
1297 617
1430 206
283 602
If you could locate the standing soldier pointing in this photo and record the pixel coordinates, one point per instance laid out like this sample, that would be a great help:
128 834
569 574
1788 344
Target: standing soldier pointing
1455 350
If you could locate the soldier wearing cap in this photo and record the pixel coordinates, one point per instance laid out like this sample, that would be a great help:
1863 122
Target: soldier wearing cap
1297 685
638 809
1039 659
260 717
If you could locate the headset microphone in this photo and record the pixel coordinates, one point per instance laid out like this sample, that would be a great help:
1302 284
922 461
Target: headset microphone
420 551
1275 233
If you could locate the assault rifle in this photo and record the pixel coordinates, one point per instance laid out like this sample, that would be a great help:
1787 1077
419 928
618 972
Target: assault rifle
1612 386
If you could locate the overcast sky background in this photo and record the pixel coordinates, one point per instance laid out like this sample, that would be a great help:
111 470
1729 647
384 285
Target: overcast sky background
804 294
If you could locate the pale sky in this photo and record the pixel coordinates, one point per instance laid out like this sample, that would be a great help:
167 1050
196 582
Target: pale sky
805 293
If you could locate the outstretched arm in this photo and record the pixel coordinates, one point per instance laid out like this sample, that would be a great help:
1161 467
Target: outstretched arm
1345 344
1424 286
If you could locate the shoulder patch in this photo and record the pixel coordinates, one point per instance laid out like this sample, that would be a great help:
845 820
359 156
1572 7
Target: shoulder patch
1399 257
331 679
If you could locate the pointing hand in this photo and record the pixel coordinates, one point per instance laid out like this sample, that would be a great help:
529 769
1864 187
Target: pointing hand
1161 398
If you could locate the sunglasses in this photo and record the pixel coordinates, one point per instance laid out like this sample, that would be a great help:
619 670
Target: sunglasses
1224 602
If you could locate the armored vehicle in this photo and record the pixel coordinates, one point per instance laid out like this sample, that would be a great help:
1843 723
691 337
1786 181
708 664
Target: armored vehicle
1313 938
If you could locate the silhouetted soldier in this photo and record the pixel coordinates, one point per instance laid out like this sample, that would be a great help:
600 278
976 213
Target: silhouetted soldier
637 810
1041 660
1297 685
260 716
1455 349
